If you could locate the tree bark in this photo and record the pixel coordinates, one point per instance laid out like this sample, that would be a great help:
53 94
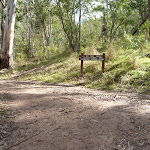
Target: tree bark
79 26
8 38
27 29
2 25
149 14
50 22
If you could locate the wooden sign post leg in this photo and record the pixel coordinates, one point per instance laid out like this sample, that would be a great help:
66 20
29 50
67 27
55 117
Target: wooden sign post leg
82 64
103 62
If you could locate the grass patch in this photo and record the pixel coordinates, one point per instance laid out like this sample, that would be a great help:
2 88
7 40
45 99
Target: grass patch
124 70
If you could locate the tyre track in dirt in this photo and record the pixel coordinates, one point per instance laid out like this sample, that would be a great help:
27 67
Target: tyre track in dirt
63 117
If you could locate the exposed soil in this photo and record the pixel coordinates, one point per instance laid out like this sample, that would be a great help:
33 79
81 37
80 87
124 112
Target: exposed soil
61 117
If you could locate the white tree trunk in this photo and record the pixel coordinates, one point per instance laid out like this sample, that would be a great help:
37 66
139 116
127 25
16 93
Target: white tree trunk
7 45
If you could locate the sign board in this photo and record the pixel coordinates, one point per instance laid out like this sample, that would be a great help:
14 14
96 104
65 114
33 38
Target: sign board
92 57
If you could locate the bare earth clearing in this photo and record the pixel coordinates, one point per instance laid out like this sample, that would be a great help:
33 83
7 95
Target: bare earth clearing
59 117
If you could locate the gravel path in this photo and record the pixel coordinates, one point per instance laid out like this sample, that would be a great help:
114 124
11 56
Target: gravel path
62 117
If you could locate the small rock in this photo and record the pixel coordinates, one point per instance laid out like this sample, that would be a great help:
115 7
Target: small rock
119 147
93 120
4 132
115 97
61 109
1 143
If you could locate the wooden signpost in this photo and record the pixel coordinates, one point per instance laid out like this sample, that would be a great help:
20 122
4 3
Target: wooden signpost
92 57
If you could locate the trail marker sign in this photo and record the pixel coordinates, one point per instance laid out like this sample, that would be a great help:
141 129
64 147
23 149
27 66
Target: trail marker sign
92 57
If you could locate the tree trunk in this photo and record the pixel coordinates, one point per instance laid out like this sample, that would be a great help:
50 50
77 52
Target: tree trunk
7 46
104 29
149 14
50 22
30 32
47 31
27 37
79 26
43 45
2 25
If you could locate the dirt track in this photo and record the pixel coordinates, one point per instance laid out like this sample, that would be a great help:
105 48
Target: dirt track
59 117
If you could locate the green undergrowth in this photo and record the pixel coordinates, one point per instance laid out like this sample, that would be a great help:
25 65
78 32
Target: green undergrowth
125 70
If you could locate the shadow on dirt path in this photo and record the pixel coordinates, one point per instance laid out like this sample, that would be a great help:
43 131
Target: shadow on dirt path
72 118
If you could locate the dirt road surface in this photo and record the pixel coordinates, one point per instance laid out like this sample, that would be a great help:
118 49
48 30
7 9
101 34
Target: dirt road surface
62 117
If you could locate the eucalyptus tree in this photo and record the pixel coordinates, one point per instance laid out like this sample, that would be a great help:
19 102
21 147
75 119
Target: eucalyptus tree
8 36
141 8
29 21
149 14
2 20
66 11
70 13
43 12
123 15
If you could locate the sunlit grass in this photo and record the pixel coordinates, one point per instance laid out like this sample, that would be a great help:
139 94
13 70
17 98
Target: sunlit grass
124 70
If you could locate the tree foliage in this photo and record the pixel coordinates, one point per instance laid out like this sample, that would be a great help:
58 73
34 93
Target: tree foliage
46 26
